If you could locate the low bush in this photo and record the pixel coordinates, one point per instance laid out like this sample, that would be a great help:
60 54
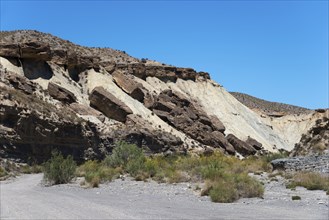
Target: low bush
248 186
58 169
223 191
296 198
309 180
96 172
3 172
31 169
122 153
232 187
136 166
226 176
272 156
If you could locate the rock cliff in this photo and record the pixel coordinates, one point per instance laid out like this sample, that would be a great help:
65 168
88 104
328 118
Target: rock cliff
80 100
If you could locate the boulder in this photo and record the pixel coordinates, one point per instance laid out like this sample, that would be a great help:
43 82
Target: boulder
216 123
109 105
255 144
240 146
60 93
220 139
127 83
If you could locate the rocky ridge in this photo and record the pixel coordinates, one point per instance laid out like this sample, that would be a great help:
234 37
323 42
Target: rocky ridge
273 109
55 94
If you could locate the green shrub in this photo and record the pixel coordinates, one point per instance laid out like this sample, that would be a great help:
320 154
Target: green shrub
151 167
3 172
214 170
122 153
177 176
296 198
58 169
232 187
223 191
95 172
31 169
136 165
272 156
248 187
89 166
309 180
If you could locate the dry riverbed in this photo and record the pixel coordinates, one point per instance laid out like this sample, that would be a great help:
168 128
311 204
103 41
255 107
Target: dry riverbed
25 197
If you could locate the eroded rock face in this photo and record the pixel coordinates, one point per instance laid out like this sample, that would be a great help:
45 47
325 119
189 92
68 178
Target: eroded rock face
181 113
87 123
316 140
109 105
34 69
60 93
23 46
31 129
142 134
21 83
164 73
240 146
27 50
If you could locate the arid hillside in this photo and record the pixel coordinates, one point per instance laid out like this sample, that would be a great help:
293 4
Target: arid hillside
80 100
274 109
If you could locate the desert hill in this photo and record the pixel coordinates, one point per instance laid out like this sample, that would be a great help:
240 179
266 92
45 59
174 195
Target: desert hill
274 109
80 100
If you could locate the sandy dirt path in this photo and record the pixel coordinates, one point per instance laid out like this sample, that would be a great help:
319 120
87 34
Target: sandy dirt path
26 198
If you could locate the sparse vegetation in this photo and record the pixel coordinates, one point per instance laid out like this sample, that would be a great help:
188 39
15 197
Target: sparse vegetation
34 168
58 169
296 198
227 177
96 172
3 172
309 180
266 106
272 156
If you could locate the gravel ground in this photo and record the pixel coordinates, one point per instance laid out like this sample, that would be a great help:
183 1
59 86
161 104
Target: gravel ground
26 198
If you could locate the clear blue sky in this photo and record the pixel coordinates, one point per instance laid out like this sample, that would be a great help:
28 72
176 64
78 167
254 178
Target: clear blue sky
275 50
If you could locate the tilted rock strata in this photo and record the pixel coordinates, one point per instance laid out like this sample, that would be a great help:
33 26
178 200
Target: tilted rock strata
61 93
181 113
101 95
107 103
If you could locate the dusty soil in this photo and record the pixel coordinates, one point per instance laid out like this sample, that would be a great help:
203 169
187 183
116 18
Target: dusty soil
26 198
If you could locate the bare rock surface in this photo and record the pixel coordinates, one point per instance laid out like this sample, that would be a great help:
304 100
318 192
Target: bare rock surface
316 140
107 103
25 197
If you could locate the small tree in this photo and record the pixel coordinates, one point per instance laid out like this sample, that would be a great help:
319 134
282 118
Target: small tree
59 170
